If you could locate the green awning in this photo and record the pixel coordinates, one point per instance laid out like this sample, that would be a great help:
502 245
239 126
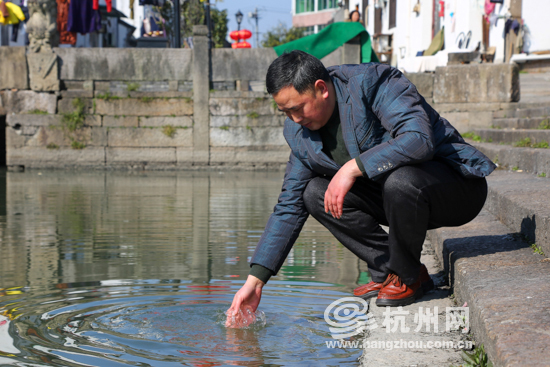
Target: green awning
329 39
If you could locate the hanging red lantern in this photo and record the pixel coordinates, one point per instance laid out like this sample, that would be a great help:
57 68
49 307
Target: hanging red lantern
240 35
243 44
441 8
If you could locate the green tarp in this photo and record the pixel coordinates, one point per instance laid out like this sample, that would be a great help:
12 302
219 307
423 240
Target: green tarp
329 39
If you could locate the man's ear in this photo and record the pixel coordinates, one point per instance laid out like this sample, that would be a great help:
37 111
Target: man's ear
322 87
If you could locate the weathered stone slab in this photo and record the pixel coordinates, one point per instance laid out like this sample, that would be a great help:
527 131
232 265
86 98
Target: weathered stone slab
135 64
13 73
67 105
526 159
514 135
424 83
43 71
145 138
39 157
120 121
239 137
144 107
56 136
247 122
506 286
33 120
184 156
245 156
178 121
242 64
240 106
28 101
77 94
142 157
477 83
14 139
520 201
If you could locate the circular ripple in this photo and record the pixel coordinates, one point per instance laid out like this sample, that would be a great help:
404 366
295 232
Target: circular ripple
159 323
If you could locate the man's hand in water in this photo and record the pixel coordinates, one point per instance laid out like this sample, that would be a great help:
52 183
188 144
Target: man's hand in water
245 303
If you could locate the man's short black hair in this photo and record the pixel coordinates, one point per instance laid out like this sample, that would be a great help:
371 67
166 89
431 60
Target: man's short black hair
297 69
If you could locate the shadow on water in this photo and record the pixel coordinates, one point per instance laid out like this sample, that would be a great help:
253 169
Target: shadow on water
117 269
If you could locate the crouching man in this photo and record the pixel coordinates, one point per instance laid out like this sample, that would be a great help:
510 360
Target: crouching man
367 150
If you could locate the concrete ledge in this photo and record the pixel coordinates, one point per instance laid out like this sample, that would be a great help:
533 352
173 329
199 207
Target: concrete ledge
506 285
144 107
477 83
520 201
179 121
27 101
38 157
148 138
124 64
14 72
514 135
244 156
520 123
526 159
240 137
524 112
47 120
140 157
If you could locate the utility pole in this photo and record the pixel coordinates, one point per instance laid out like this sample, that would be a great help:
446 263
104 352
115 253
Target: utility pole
177 27
257 17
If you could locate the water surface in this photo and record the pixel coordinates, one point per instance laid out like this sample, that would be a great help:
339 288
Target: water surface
136 269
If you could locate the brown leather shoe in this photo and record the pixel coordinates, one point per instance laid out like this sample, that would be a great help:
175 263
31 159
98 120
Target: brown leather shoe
371 289
396 293
368 290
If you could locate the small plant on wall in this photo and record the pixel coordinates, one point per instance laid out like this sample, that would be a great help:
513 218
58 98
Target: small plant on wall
72 123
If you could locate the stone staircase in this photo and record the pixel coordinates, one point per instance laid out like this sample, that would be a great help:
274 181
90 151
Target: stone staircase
496 262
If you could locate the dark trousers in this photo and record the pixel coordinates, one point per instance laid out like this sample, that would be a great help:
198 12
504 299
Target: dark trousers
410 200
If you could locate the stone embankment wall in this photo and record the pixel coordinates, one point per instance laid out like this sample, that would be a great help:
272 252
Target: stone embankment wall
169 109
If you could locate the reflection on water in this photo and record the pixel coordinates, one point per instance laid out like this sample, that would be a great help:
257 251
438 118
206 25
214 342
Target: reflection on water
119 268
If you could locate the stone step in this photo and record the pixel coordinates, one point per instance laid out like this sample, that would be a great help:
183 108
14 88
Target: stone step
521 201
506 286
530 160
522 123
513 136
523 112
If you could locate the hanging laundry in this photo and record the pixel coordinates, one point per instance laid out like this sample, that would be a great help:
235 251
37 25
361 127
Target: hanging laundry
65 37
83 18
108 2
489 8
15 14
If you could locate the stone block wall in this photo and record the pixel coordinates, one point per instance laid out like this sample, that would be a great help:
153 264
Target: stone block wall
170 109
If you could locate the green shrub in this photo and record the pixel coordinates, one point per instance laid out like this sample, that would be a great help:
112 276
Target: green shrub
38 112
524 143
169 131
253 115
542 144
52 146
132 87
75 144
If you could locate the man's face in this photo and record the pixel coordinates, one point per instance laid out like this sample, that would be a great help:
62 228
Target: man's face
311 109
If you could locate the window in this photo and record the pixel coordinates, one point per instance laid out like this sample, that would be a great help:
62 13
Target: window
304 5
308 30
393 11
377 20
326 4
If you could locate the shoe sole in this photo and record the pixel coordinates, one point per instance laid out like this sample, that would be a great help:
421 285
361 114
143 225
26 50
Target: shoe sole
369 295
381 302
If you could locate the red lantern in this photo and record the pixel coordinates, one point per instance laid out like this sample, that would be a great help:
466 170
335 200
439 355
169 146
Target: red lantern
240 35
243 44
441 8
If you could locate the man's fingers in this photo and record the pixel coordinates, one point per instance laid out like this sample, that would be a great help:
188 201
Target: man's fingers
340 206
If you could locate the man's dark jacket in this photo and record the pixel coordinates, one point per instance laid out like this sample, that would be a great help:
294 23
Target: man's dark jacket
387 123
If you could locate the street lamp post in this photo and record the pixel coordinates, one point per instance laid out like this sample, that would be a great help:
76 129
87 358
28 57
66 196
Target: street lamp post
239 17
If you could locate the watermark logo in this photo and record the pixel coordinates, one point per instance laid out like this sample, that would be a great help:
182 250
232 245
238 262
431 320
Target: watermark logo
348 317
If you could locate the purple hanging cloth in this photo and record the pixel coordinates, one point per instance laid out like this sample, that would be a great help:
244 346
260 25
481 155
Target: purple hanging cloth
83 18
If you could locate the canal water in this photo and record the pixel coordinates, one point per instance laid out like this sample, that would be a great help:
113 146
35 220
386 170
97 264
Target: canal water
137 269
